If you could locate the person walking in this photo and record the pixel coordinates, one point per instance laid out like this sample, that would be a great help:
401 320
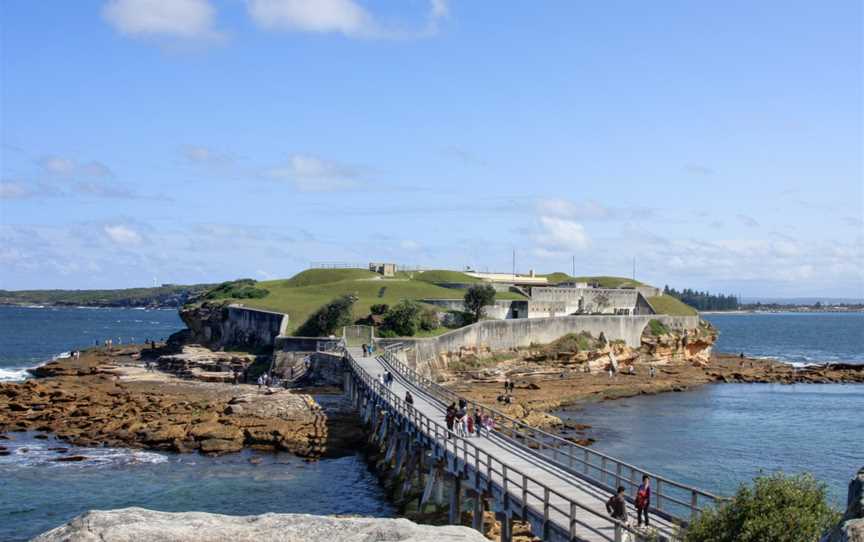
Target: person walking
236 376
260 383
478 422
409 400
450 418
616 506
365 350
643 500
469 425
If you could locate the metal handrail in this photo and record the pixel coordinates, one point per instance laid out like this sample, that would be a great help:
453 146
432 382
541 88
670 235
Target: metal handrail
553 444
442 437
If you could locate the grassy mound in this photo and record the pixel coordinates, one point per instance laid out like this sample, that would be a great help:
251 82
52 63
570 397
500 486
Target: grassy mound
602 281
666 304
312 277
440 275
237 289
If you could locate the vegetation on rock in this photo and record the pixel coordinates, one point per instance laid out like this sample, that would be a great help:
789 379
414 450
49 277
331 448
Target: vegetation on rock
778 508
657 328
237 289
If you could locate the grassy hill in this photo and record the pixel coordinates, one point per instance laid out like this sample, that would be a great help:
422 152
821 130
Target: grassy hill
302 294
666 304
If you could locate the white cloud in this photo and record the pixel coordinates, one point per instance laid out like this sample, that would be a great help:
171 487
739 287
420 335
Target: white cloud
562 234
66 167
313 174
14 190
345 17
122 235
186 19
202 155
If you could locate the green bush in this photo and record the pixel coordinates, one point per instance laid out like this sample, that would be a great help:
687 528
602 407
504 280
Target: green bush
657 328
236 289
403 319
429 320
776 508
379 308
329 318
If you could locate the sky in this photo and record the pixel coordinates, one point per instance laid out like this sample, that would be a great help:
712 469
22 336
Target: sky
717 144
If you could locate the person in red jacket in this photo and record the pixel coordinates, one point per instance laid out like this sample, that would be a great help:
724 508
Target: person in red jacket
643 500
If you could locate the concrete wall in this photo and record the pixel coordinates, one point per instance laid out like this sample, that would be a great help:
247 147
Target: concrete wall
502 309
497 335
252 327
553 301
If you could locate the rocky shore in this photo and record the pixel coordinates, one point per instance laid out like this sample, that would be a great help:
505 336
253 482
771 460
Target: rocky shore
141 525
547 380
110 398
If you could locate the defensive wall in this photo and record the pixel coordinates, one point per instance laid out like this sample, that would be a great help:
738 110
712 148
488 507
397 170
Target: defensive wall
588 300
499 335
501 309
218 326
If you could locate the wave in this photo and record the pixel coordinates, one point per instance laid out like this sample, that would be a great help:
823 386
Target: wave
13 374
28 452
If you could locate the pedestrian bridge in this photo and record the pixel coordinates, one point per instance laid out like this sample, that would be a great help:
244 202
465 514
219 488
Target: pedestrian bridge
517 471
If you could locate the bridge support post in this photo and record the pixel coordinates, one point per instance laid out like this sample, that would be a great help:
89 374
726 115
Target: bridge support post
454 517
477 519
506 526
346 385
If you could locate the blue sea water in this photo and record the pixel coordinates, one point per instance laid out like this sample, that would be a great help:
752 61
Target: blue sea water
792 337
30 336
719 436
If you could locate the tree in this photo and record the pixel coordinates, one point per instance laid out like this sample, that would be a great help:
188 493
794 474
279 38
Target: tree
403 319
327 319
477 298
429 320
776 508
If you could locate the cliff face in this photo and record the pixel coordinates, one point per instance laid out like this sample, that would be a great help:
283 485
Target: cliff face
851 527
141 525
219 326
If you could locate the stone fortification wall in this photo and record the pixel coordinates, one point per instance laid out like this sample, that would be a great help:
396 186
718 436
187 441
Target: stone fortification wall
552 301
502 309
498 335
219 326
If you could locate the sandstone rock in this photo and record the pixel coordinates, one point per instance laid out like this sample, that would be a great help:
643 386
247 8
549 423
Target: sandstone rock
220 446
140 525
851 527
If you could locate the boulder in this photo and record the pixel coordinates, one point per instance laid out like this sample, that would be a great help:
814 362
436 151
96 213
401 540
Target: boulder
851 527
141 525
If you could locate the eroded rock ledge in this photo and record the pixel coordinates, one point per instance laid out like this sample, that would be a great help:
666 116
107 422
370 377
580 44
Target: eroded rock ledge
141 525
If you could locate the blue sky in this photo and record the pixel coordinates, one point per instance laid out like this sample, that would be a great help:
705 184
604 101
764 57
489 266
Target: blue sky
720 144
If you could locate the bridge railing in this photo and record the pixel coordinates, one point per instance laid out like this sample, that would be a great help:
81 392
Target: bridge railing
532 494
671 499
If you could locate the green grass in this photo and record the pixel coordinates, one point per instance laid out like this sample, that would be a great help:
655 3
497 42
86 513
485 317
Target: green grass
657 328
301 295
439 275
603 281
666 304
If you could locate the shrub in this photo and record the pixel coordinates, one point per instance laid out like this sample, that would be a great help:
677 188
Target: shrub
236 289
327 319
477 298
776 508
429 320
379 308
403 319
657 328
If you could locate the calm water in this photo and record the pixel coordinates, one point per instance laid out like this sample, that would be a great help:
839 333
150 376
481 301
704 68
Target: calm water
31 336
792 337
719 436
39 494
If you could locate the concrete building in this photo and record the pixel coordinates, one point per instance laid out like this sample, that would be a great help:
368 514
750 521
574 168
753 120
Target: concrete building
386 269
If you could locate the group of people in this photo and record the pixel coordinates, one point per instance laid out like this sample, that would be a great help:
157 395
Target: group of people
386 378
368 350
462 423
616 506
507 396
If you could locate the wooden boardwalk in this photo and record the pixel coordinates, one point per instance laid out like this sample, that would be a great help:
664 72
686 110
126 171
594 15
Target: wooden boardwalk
543 472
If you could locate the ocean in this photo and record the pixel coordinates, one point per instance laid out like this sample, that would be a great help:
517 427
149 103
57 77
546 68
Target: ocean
714 437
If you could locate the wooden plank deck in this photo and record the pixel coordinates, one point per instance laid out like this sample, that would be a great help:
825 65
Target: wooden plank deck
517 457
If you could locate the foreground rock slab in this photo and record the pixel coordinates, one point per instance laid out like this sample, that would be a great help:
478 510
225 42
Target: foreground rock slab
142 525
